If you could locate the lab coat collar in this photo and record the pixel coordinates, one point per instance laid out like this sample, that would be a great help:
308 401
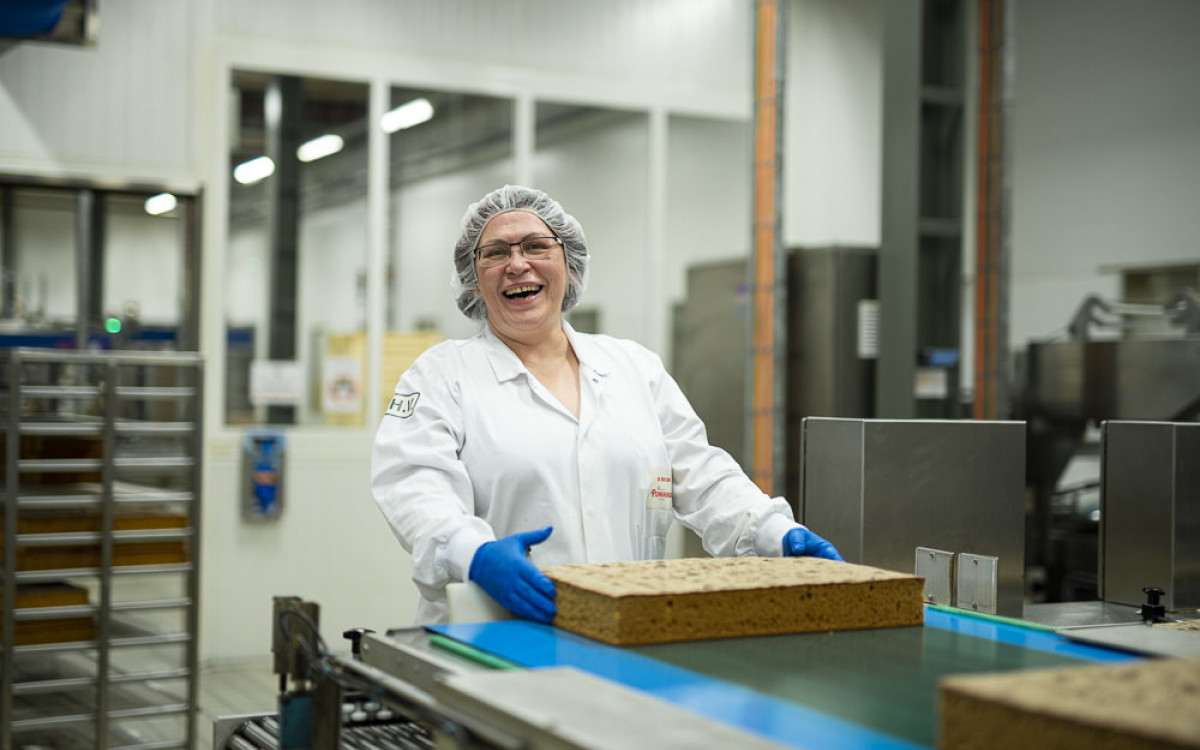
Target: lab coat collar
590 355
506 365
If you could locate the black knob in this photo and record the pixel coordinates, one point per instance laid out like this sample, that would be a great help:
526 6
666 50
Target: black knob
1152 611
354 635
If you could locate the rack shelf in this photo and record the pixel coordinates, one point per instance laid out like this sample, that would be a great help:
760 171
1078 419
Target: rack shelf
100 475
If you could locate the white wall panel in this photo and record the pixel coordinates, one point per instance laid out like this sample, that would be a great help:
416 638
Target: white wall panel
330 545
708 200
1106 149
600 177
708 195
120 109
694 45
833 123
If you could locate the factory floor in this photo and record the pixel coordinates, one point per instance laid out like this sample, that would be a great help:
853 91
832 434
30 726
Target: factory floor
233 689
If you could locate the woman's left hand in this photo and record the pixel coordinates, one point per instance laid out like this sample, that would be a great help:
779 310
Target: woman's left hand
801 541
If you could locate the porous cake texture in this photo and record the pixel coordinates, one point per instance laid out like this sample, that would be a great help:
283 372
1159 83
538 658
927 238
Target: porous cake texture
1187 626
689 599
1129 706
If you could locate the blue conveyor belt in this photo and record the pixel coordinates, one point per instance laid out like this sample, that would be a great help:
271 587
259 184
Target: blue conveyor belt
854 689
533 645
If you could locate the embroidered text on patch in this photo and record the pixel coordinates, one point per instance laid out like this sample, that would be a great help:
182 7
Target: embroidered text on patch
403 404
661 493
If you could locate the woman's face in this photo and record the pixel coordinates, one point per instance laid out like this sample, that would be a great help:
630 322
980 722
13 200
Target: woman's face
523 296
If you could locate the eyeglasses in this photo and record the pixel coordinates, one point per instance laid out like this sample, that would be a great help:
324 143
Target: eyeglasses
498 253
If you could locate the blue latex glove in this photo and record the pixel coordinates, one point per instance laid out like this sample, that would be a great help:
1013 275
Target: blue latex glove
799 542
502 569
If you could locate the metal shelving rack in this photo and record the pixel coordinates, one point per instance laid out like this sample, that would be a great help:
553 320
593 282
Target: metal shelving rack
101 502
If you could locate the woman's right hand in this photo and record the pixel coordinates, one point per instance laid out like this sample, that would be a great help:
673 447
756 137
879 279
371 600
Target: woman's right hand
503 569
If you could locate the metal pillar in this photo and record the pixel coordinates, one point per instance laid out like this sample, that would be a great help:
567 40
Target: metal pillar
940 226
767 260
89 263
8 255
282 110
898 228
920 256
188 338
993 209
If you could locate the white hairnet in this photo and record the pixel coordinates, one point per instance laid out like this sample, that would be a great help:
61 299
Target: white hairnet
465 282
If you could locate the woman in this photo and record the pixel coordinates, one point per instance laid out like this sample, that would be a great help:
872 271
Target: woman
532 443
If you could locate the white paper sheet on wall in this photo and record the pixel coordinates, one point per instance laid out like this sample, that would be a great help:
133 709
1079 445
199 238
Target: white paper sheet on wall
275 382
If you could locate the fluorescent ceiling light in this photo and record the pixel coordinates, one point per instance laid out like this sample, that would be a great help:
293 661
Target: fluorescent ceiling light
319 147
252 171
407 115
160 204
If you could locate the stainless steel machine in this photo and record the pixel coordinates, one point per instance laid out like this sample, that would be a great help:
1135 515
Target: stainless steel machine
1118 362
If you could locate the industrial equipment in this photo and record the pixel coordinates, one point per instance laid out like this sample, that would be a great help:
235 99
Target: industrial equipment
1118 362
516 684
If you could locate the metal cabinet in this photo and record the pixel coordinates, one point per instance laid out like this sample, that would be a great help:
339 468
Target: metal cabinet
101 533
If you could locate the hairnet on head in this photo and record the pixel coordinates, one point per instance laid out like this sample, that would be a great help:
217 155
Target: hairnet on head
464 280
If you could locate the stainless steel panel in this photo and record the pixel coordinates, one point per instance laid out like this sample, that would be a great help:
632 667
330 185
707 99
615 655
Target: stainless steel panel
1154 379
1135 379
1185 584
831 497
1075 614
563 707
1138 637
975 583
880 488
826 376
1055 380
407 654
1150 512
937 568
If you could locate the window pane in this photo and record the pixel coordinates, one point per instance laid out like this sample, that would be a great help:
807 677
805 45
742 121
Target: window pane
297 252
439 166
100 255
594 162
144 271
40 277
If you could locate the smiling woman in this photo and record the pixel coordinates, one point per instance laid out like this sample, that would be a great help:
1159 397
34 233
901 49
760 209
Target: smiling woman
523 295
532 441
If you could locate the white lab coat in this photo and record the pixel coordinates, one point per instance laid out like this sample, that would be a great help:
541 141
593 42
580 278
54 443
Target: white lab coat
473 448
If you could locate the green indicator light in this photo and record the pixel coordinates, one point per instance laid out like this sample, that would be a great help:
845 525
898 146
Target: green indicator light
112 325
